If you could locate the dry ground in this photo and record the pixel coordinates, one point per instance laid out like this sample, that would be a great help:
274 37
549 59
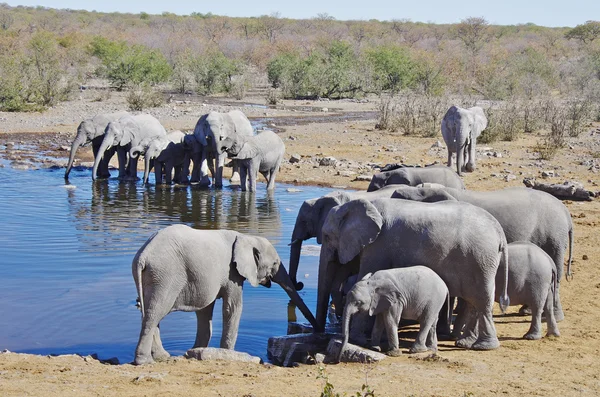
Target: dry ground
565 366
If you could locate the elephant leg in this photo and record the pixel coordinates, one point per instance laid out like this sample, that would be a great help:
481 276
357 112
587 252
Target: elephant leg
122 158
235 174
472 158
168 173
550 316
252 175
486 338
132 169
378 328
219 170
461 318
443 327
425 326
449 158
158 173
157 307
272 174
391 319
206 164
232 312
469 336
559 259
535 329
158 351
432 337
243 178
204 330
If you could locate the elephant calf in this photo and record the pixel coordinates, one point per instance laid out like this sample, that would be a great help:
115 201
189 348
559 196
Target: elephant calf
414 176
180 268
262 153
414 293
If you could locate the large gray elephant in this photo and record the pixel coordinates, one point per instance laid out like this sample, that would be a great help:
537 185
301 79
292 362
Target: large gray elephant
460 129
414 176
413 293
262 153
92 131
524 214
211 130
183 269
311 217
165 153
391 233
125 133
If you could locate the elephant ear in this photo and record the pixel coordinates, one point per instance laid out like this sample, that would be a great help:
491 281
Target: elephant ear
321 209
380 301
479 121
200 131
248 151
356 224
129 130
246 257
228 124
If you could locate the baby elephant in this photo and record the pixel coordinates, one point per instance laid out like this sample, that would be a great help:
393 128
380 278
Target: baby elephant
262 153
531 281
414 293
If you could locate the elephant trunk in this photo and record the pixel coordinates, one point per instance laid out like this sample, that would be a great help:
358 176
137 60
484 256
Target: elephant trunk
107 142
328 267
147 167
79 141
349 310
135 151
283 279
459 155
569 275
295 250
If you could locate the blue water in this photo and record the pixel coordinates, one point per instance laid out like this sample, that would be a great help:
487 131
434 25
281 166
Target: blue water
66 252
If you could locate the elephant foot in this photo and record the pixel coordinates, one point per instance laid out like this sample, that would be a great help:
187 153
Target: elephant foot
559 315
394 353
465 342
235 179
143 360
486 344
161 355
553 333
417 349
376 348
524 311
533 336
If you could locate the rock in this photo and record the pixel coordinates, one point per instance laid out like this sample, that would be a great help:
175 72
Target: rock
292 190
5 351
351 353
364 177
585 257
437 144
65 148
295 158
327 161
346 173
547 174
510 177
214 353
324 110
497 154
299 328
290 349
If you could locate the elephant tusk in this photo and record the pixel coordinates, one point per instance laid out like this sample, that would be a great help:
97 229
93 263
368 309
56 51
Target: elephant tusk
296 241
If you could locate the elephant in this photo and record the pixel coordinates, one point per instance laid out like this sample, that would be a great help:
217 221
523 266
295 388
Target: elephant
167 153
462 243
414 176
194 150
311 217
125 133
184 269
414 293
524 214
92 131
262 153
211 130
460 129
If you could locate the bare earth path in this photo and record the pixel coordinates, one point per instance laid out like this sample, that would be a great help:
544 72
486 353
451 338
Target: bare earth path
565 366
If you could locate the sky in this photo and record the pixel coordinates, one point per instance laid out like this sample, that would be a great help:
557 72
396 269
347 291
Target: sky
501 12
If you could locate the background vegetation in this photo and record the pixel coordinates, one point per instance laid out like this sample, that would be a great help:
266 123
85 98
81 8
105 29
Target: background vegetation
522 71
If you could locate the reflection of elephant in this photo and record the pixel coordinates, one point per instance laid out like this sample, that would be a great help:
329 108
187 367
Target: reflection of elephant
524 214
413 293
390 233
128 131
258 153
211 130
92 130
167 153
414 176
460 129
311 217
180 268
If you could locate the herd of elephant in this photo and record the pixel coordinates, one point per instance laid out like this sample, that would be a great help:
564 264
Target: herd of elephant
405 248
215 137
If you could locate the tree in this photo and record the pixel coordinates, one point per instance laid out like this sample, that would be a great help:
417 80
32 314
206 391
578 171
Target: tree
586 33
473 32
271 26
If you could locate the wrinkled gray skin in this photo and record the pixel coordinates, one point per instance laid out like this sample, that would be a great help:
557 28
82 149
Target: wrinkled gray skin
414 176
525 215
92 131
183 269
460 129
211 130
125 133
165 153
531 282
311 217
413 293
392 233
262 153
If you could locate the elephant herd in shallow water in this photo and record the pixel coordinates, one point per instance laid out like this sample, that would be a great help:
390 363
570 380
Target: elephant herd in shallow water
403 249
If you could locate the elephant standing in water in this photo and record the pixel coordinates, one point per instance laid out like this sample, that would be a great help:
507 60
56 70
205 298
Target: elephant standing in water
462 243
460 129
165 153
414 176
524 214
211 130
180 268
92 131
125 133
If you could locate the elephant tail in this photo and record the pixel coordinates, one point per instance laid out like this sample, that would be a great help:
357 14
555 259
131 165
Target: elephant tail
554 286
139 267
569 275
450 308
504 298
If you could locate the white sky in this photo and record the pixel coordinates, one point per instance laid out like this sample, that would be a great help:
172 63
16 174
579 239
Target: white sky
502 12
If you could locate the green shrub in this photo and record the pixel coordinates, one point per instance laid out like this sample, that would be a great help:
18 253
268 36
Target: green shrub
393 69
143 97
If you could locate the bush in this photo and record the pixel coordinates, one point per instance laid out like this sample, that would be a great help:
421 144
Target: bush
413 114
214 72
143 97
393 69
